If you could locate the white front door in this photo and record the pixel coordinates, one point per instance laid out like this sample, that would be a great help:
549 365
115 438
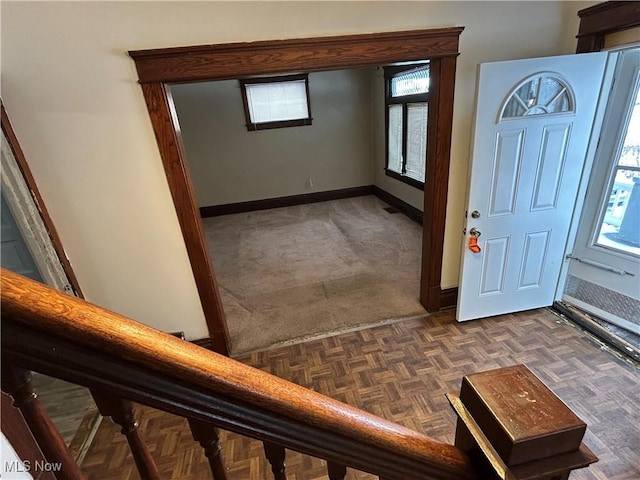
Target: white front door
533 124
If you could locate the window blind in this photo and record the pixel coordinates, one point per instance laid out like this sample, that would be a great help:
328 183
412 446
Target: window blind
279 101
394 145
416 140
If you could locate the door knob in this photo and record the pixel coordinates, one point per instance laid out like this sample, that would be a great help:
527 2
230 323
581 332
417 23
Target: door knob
474 232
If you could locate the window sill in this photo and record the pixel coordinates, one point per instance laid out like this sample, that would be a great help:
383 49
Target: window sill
404 179
282 124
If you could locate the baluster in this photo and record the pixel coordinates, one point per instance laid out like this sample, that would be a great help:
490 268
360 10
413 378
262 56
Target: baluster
207 435
17 383
121 412
275 454
336 471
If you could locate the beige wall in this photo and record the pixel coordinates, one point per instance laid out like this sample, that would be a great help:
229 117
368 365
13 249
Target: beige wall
72 94
229 164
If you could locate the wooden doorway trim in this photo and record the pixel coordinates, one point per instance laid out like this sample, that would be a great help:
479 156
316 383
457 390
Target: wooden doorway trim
158 68
600 20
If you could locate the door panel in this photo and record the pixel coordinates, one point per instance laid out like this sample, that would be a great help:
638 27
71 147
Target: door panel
533 124
536 246
494 266
504 186
553 154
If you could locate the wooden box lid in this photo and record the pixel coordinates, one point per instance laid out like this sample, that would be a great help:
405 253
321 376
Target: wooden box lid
520 416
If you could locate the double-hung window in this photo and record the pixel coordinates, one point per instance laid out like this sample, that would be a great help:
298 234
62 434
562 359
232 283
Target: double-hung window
275 102
407 107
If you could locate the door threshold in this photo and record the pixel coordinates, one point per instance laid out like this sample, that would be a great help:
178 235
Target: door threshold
629 346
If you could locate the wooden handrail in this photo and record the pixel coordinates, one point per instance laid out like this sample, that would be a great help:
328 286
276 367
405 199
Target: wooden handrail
44 329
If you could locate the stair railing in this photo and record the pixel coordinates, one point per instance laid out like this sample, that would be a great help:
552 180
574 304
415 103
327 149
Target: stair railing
121 361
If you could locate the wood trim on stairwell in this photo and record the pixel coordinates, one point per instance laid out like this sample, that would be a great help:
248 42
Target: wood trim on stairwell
204 343
21 160
160 67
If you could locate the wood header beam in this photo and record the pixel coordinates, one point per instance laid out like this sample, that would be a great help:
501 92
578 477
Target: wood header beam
230 61
602 19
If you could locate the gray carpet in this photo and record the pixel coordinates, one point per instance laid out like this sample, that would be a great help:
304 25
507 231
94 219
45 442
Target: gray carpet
295 272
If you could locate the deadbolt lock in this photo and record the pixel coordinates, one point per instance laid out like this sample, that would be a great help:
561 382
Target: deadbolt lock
475 214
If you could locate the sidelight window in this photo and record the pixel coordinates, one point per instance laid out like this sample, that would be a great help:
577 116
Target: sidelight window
620 225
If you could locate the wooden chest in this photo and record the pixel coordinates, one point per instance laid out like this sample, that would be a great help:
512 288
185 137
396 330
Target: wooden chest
542 425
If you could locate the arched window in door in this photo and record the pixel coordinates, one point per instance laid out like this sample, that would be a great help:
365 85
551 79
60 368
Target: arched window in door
540 94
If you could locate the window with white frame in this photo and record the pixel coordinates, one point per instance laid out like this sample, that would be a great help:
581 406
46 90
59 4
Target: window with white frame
275 102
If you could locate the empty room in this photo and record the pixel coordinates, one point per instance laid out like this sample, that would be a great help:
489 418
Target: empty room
334 255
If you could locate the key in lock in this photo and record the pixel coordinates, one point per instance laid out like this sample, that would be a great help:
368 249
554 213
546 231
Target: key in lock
474 233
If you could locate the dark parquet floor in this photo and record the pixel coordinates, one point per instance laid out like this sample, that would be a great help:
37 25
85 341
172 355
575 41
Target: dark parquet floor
401 372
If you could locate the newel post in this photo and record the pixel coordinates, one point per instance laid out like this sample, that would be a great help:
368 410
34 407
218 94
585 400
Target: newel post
513 427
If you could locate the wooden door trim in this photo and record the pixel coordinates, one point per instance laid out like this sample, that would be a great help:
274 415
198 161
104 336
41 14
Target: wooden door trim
602 19
159 67
235 60
165 125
